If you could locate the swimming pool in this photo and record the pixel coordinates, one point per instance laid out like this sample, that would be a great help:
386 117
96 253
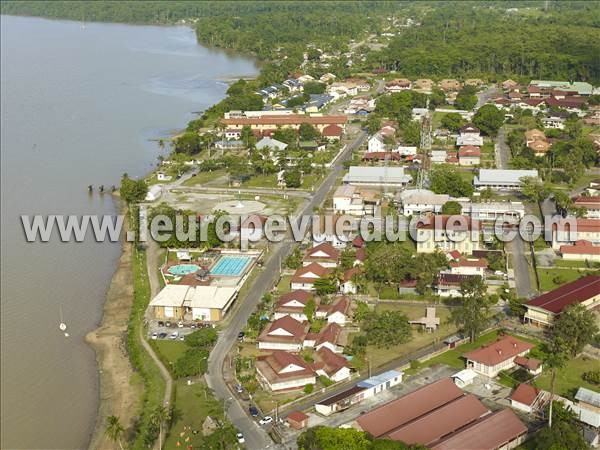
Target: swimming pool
183 269
230 266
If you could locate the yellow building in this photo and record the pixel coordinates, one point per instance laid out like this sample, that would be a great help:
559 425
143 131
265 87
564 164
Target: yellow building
182 302
439 232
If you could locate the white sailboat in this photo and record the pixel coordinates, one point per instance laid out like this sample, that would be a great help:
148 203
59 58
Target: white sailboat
62 326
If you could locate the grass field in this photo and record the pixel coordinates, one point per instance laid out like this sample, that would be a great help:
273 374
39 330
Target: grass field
553 278
205 177
568 379
454 358
169 351
420 339
576 264
192 404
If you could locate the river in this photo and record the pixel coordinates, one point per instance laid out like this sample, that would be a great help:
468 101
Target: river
80 105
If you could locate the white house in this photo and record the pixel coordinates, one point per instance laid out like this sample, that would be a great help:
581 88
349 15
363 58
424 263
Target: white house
285 333
416 202
348 200
404 150
503 179
292 304
376 176
282 371
324 254
376 143
500 355
305 276
161 176
524 397
379 383
332 365
471 266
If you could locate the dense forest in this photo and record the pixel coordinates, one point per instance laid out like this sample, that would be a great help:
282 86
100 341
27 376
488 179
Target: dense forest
490 39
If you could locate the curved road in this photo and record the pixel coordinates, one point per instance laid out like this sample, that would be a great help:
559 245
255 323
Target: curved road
256 437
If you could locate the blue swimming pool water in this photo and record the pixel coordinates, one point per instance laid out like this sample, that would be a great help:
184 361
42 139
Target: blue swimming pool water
183 269
230 266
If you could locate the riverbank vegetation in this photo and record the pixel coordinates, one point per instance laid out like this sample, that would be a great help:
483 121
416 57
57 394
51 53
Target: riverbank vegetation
451 39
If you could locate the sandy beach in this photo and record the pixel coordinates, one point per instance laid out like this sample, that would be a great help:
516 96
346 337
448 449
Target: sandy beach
118 395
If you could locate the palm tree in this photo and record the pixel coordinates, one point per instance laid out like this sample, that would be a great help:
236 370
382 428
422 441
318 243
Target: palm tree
556 359
114 430
159 417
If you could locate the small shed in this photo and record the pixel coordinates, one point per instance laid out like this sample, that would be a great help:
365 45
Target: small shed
297 420
464 378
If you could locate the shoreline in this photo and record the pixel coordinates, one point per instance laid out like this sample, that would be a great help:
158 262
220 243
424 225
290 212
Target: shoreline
118 396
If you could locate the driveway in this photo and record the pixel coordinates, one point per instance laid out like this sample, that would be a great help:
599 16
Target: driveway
256 437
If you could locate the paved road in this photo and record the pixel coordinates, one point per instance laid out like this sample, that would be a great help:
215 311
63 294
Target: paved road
502 150
256 437
487 94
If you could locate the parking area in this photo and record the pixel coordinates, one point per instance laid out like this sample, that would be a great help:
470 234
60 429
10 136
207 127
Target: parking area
159 329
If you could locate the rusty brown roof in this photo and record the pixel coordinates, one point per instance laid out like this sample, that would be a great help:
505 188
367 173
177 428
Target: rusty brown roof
504 348
403 410
489 433
449 418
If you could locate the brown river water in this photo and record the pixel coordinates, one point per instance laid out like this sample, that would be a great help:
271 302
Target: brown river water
80 105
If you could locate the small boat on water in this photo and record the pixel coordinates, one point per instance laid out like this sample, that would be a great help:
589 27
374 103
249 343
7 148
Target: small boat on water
62 326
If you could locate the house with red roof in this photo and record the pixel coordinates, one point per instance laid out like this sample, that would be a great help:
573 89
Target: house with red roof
332 132
581 250
305 277
469 266
283 371
337 312
469 155
292 304
347 285
332 365
542 310
497 356
329 337
325 254
590 204
285 333
569 230
524 397
532 365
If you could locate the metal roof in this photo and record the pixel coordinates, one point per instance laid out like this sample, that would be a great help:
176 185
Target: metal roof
379 379
501 176
357 174
588 396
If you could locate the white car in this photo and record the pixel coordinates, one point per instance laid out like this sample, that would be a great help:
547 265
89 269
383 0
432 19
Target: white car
265 420
174 335
154 336
240 438
180 324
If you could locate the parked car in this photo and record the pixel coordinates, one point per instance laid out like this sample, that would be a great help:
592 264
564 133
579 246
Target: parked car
182 338
241 335
167 324
239 389
155 336
174 335
266 420
240 438
162 335
180 324
253 411
161 323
